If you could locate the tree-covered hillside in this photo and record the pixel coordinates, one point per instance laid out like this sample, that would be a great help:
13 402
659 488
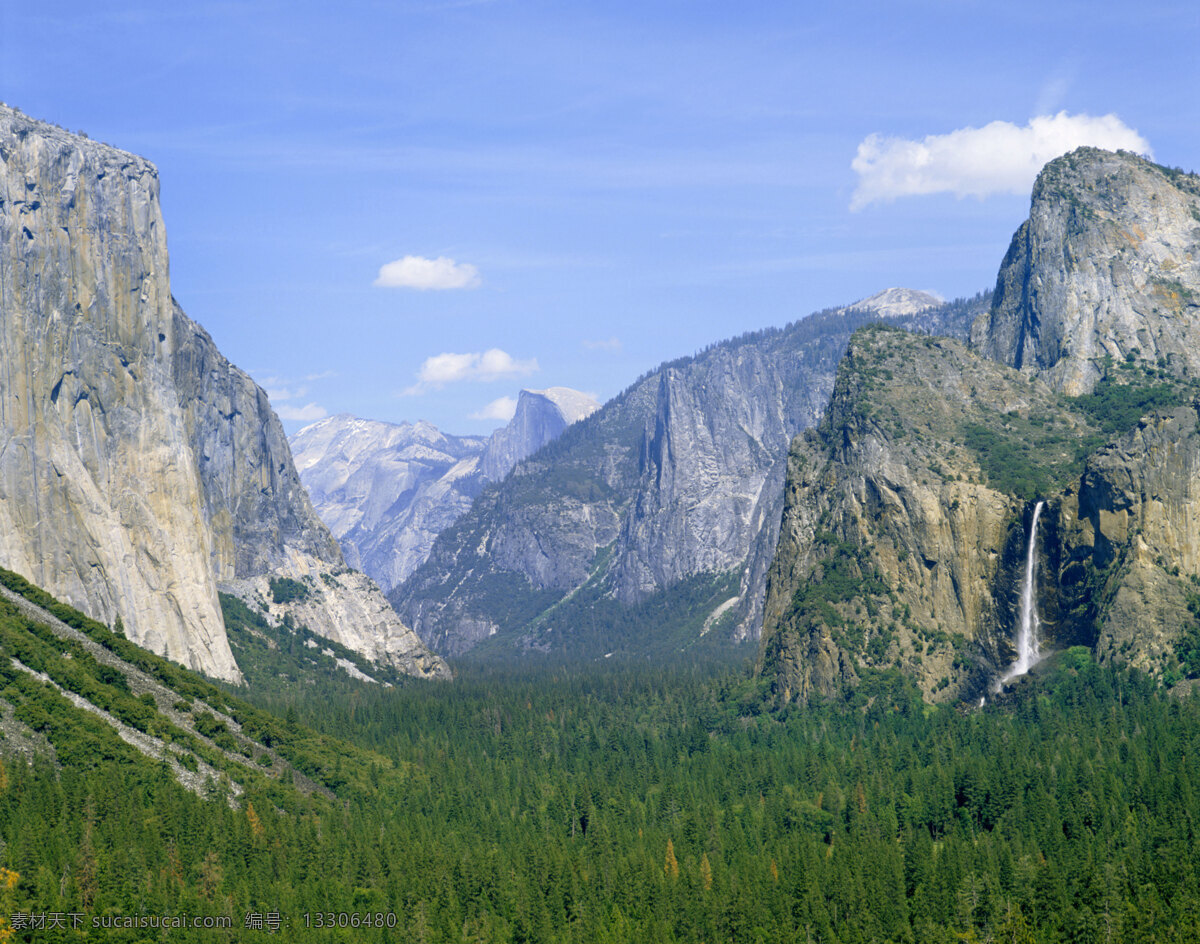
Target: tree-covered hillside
622 804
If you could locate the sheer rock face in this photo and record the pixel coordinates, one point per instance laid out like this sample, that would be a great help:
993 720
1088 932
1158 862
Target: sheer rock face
139 470
387 490
100 499
1106 266
260 515
679 476
713 457
1132 522
883 501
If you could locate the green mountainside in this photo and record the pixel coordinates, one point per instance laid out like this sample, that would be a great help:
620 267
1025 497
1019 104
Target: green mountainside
69 674
907 513
866 784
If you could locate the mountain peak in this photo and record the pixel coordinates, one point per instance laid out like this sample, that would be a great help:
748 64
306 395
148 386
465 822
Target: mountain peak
1105 270
541 416
893 302
573 405
387 489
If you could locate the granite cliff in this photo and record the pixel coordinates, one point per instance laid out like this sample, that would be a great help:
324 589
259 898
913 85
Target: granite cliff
140 471
907 513
903 517
540 417
387 490
1106 268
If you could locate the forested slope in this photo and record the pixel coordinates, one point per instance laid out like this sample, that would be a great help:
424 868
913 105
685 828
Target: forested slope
659 804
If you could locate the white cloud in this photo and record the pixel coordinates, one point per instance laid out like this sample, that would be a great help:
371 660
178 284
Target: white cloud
606 344
493 364
425 274
281 389
500 409
304 413
998 158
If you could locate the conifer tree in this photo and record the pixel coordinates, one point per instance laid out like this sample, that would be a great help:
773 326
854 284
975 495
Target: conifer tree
671 864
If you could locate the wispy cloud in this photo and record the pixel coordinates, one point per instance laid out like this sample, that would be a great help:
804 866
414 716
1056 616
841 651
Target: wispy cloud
605 344
502 408
280 390
307 413
1000 157
494 364
1054 90
428 274
622 169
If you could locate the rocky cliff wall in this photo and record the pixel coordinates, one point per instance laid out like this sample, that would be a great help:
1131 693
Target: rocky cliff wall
915 497
900 541
711 456
100 497
259 512
1124 552
1106 268
540 417
139 469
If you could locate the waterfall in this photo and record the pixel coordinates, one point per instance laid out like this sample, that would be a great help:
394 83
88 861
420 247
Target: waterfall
1027 637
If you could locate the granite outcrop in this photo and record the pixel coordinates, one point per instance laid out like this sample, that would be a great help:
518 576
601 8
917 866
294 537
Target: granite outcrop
675 480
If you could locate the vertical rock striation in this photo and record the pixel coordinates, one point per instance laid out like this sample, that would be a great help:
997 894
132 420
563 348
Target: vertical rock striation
901 538
100 499
1127 544
540 417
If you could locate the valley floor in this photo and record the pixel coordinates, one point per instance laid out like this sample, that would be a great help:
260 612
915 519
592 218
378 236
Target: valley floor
637 804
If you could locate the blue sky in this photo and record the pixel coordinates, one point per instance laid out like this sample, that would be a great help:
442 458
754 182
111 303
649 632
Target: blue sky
596 187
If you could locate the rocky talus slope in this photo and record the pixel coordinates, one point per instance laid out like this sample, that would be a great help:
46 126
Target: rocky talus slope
139 469
907 514
677 478
387 490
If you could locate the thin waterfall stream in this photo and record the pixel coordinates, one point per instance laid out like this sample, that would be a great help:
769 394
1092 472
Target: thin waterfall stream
1028 650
